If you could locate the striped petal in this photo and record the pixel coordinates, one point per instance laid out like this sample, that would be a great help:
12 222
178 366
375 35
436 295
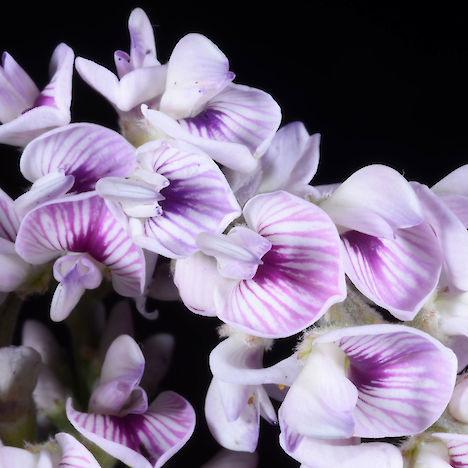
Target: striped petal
238 114
405 378
74 454
140 440
86 151
233 155
83 224
457 445
397 274
302 273
345 453
198 199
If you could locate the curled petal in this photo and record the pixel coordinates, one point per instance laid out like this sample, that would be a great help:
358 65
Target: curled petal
196 277
124 361
375 200
140 440
238 254
301 276
405 378
240 434
120 375
66 296
45 189
231 154
398 274
237 361
197 71
135 87
321 401
87 151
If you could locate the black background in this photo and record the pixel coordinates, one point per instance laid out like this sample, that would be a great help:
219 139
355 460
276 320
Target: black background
382 84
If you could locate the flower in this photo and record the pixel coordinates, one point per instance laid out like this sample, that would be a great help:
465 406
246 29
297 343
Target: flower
87 237
390 253
26 112
175 193
121 422
275 276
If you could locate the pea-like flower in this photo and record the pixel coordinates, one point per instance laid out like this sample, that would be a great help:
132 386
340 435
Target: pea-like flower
121 422
26 112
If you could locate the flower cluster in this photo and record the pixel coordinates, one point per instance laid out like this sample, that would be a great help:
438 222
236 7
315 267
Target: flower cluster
202 182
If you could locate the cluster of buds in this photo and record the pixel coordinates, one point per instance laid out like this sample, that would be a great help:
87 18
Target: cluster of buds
202 197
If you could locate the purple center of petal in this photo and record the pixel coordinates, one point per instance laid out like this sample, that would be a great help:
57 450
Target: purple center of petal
368 246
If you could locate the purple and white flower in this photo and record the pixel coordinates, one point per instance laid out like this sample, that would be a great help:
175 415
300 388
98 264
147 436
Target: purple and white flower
140 77
26 112
88 239
192 98
121 422
369 381
391 254
271 278
175 193
238 394
72 159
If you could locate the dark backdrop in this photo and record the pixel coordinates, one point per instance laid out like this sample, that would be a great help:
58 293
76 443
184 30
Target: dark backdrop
382 85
